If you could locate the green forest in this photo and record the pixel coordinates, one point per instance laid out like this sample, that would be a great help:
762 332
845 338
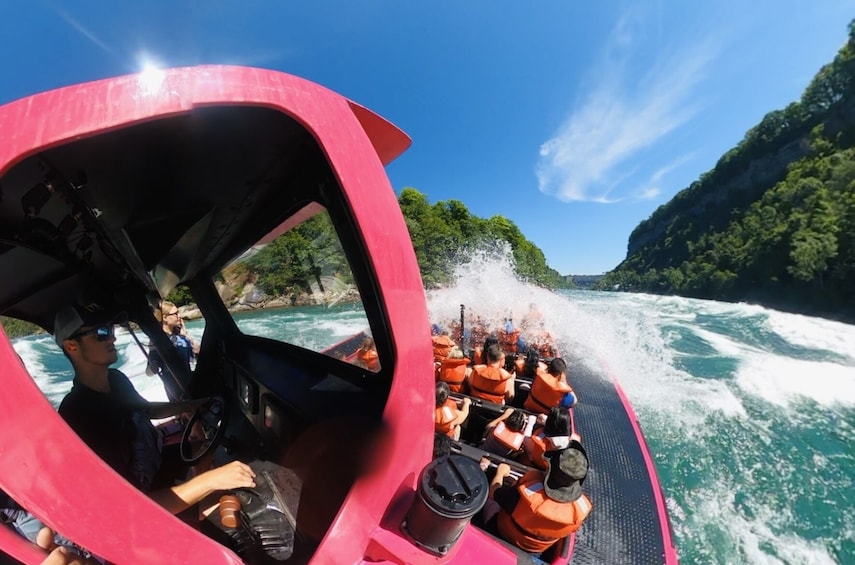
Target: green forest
774 221
446 233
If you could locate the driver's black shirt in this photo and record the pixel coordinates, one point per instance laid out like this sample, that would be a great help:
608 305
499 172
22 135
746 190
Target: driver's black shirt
116 426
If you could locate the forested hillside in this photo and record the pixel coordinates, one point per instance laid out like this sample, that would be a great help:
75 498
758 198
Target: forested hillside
774 221
446 232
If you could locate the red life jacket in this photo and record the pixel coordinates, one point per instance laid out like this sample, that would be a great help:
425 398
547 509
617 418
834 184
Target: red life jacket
537 521
444 416
546 392
453 372
489 383
442 344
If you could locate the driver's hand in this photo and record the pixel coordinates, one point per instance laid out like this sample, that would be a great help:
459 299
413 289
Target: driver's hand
198 431
230 476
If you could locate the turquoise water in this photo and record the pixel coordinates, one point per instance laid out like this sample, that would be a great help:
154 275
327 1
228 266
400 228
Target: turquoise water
749 413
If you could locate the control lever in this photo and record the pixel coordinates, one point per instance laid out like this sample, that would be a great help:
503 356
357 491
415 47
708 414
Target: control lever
230 511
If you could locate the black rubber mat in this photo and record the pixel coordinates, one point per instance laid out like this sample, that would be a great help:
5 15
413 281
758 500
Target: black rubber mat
624 525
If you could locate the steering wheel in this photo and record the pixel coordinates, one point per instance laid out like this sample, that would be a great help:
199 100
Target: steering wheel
204 430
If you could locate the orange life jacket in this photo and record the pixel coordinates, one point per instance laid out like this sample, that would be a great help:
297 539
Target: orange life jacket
369 358
535 447
509 340
453 373
444 416
442 344
537 521
489 383
507 437
546 392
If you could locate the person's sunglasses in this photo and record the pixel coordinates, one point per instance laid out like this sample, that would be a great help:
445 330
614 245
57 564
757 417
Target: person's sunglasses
102 333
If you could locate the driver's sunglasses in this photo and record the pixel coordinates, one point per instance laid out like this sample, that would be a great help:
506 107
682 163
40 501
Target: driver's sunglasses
102 333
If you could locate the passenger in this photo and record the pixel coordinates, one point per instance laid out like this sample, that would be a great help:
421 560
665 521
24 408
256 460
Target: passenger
479 354
61 555
548 387
454 370
540 508
505 435
546 347
554 435
183 344
447 416
441 445
532 322
509 337
532 364
170 319
112 418
477 330
68 554
30 527
367 355
15 515
442 345
491 381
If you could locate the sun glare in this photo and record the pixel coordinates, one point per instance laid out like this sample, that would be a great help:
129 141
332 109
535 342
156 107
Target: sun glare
151 77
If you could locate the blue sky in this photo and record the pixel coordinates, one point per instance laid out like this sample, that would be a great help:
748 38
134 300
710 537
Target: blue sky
573 119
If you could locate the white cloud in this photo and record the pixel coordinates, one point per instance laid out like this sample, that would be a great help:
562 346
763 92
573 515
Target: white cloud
652 188
618 119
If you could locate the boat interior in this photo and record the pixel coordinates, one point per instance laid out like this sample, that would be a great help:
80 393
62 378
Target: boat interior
215 202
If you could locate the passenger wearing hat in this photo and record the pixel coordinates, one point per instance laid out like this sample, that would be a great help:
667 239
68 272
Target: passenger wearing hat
542 508
113 419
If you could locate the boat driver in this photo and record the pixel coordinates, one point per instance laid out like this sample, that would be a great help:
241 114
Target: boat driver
111 417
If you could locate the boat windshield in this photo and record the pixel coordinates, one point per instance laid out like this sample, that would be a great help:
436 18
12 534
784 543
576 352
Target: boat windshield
296 286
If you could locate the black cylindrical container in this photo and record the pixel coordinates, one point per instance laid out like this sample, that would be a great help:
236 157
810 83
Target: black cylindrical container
450 491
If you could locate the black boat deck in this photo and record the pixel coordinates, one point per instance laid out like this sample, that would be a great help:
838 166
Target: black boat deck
624 526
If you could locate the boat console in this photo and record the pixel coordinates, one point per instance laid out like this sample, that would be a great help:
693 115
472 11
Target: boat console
262 525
